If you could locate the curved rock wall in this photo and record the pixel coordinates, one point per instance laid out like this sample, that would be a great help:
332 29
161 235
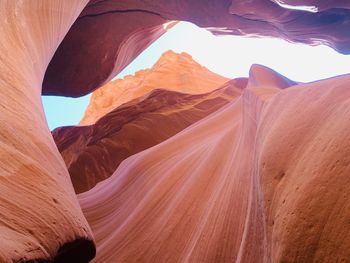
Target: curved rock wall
110 34
172 71
124 113
263 179
40 218
92 153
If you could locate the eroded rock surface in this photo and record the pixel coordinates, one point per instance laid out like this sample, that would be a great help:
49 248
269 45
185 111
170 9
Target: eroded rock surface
40 218
92 153
122 29
174 72
263 179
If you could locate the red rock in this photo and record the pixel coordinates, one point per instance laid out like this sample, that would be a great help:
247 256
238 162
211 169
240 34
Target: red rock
122 29
92 153
175 72
263 179
40 218
100 44
261 76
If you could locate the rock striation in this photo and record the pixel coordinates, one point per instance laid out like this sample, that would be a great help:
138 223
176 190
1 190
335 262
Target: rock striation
263 179
92 153
122 29
174 72
40 218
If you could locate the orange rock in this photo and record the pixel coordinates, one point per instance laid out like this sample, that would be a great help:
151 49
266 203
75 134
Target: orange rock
176 72
92 153
263 179
122 29
40 218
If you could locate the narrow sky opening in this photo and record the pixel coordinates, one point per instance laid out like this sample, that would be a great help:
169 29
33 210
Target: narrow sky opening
230 56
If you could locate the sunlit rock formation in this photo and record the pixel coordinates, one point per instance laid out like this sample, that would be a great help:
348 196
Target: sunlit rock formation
261 76
263 179
122 29
92 153
176 72
40 218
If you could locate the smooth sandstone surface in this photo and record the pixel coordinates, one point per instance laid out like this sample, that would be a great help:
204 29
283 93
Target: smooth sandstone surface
124 115
263 179
40 218
173 71
92 153
122 29
119 36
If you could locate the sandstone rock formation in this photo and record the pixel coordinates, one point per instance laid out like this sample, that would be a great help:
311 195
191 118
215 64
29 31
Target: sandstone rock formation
92 153
122 29
176 72
263 179
40 218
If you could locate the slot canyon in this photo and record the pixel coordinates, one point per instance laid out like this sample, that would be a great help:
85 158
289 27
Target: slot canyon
174 163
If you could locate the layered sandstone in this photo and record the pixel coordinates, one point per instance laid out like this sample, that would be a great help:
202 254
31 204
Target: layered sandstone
92 153
263 179
40 218
122 29
174 72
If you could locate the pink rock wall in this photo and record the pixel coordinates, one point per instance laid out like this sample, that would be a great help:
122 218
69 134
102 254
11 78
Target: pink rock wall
110 34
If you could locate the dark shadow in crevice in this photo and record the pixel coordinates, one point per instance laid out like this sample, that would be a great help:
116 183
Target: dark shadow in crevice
77 251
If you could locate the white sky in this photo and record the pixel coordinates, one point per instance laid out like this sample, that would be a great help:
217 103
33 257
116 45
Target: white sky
230 56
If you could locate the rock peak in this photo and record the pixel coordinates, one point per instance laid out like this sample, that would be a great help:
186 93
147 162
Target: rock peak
173 71
262 76
171 57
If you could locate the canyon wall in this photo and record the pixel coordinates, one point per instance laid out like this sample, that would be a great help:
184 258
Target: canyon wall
40 218
263 179
189 93
122 29
172 71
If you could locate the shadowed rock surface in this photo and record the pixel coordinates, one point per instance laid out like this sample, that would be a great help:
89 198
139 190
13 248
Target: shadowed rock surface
176 72
122 29
40 217
263 179
92 153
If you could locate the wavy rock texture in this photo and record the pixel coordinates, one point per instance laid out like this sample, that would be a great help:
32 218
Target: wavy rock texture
119 36
261 76
40 218
92 153
263 179
175 72
122 29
